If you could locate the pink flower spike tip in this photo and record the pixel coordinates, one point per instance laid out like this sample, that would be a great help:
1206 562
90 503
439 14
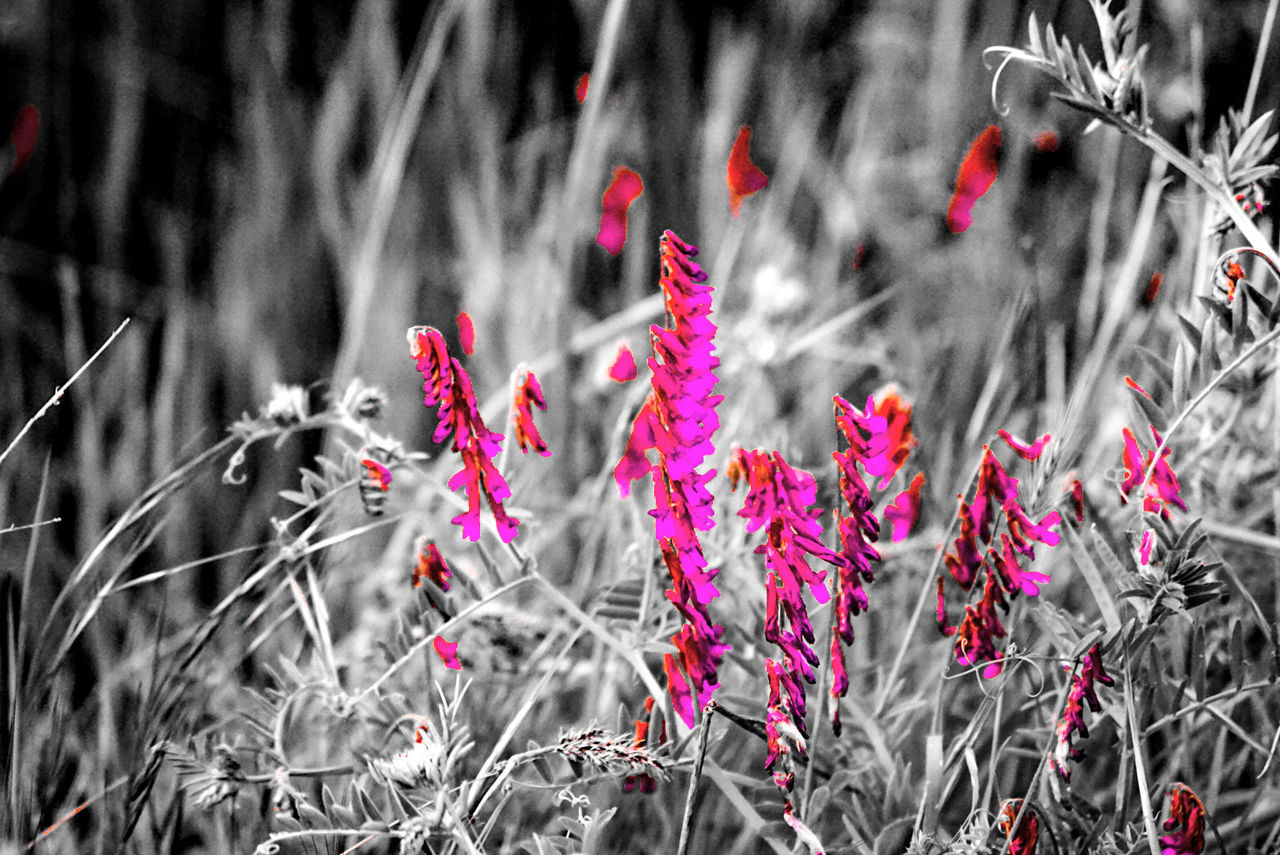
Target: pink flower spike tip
1025 450
743 176
623 369
466 333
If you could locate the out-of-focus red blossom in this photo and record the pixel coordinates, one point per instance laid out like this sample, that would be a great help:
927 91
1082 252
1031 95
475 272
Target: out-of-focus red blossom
466 333
26 127
623 368
1077 499
1026 450
1081 694
905 509
448 652
779 499
1251 200
743 176
1235 273
644 781
527 396
1024 841
376 475
677 421
1186 822
977 173
580 88
430 565
1153 288
1006 561
1133 384
1163 489
447 384
1046 142
625 188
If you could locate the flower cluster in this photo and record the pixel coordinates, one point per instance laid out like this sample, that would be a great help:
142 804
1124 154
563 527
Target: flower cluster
1186 822
447 384
1163 489
527 396
880 438
1006 561
1023 841
1081 694
678 420
778 500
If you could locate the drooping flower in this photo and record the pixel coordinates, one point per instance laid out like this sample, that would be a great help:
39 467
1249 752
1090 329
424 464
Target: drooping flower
623 368
743 176
905 509
1185 823
580 88
527 396
1023 841
977 173
431 565
677 422
625 188
1081 694
447 385
448 652
26 126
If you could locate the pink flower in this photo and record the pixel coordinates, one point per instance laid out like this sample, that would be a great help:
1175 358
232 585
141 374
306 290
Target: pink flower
1163 489
975 637
905 509
1025 450
528 395
447 384
466 333
623 368
580 88
677 422
625 188
743 176
430 565
1186 822
977 173
1081 694
448 652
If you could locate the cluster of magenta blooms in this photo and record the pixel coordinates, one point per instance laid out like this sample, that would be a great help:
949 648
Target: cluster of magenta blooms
677 422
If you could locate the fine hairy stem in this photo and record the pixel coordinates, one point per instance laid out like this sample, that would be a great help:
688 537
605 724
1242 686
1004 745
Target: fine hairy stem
707 712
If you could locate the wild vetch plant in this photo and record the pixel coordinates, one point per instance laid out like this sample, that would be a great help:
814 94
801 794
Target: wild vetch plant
693 614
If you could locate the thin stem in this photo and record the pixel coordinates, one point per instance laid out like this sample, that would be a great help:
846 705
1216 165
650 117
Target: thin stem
1255 77
707 712
1139 761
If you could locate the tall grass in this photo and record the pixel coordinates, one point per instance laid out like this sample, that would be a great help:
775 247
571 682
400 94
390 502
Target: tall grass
273 193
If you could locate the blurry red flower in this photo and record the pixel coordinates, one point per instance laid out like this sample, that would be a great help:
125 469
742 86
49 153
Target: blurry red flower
625 188
466 333
26 126
743 176
623 368
527 396
1153 288
1077 499
1235 273
1046 142
430 565
977 174
580 88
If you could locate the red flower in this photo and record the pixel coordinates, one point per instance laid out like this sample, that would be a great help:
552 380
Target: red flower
977 174
580 89
1081 694
1235 273
743 176
528 395
1163 489
376 475
1186 821
1024 841
975 637
905 509
430 565
644 781
1153 288
447 384
623 369
1046 142
448 652
1077 499
625 188
466 333
26 126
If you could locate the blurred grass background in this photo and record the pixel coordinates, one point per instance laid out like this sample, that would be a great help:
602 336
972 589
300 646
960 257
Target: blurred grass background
274 191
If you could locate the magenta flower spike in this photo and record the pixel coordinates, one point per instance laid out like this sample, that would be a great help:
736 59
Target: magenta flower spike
677 421
446 384
1081 694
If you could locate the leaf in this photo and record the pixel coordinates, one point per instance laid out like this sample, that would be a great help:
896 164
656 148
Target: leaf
1240 332
1236 654
1190 331
1264 305
1181 376
1158 365
1152 411
1093 576
1196 663
1207 353
1034 45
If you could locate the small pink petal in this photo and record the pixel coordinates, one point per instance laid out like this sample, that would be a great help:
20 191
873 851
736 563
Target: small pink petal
466 333
905 509
580 90
1025 450
625 188
448 652
623 369
1144 550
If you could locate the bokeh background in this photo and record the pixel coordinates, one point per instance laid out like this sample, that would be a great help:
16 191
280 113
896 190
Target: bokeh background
274 191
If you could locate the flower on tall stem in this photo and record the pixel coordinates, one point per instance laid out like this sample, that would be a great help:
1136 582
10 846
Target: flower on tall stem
677 421
1081 694
446 384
